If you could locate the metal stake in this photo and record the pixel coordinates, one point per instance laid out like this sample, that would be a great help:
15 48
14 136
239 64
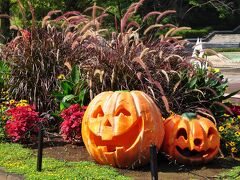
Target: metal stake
40 148
153 162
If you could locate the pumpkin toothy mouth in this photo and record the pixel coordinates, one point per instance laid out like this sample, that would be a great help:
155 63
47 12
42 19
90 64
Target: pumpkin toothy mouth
186 152
120 142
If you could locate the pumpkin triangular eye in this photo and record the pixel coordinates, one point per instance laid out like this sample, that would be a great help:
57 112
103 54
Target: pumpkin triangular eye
182 132
123 111
211 131
98 112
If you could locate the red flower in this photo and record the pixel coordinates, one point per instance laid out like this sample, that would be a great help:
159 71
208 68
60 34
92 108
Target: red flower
23 123
235 109
71 125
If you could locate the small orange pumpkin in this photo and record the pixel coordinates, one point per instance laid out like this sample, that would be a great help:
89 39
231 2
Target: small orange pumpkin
190 138
119 127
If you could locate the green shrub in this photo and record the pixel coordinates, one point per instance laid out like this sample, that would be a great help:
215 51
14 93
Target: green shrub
4 79
195 33
73 89
226 49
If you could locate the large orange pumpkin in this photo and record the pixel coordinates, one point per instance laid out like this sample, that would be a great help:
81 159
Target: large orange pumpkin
190 138
119 127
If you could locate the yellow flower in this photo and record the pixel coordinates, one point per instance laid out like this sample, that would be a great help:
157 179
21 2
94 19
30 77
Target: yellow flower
23 101
238 116
237 133
226 144
234 149
61 76
226 115
221 128
233 120
216 70
3 118
232 143
22 104
12 101
229 125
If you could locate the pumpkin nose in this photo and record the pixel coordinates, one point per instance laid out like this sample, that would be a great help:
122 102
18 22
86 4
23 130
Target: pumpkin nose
194 143
107 123
107 130
197 142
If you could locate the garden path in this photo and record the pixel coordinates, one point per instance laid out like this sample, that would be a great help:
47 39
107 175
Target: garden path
230 70
9 176
224 38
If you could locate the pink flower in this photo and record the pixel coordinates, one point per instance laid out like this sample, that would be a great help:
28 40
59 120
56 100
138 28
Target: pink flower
235 109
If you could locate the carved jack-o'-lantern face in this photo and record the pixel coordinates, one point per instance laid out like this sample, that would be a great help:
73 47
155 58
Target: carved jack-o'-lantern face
118 128
190 138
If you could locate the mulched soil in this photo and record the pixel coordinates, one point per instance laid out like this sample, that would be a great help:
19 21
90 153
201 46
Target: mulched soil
58 149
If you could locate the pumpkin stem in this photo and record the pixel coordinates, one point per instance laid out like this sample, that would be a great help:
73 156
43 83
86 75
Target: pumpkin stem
189 115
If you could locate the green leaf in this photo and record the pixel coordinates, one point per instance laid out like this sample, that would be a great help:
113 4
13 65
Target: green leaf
66 87
68 98
193 82
223 86
75 74
213 83
58 95
64 105
81 97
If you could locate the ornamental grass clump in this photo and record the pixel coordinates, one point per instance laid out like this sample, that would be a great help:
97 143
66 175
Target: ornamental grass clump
36 57
131 59
147 57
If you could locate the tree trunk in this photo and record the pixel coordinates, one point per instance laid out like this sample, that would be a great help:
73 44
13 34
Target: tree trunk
5 22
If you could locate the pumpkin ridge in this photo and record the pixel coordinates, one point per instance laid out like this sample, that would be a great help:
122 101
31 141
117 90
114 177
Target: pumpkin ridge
107 101
135 99
108 104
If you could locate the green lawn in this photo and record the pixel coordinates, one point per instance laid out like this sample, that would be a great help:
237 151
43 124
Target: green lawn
234 173
15 158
